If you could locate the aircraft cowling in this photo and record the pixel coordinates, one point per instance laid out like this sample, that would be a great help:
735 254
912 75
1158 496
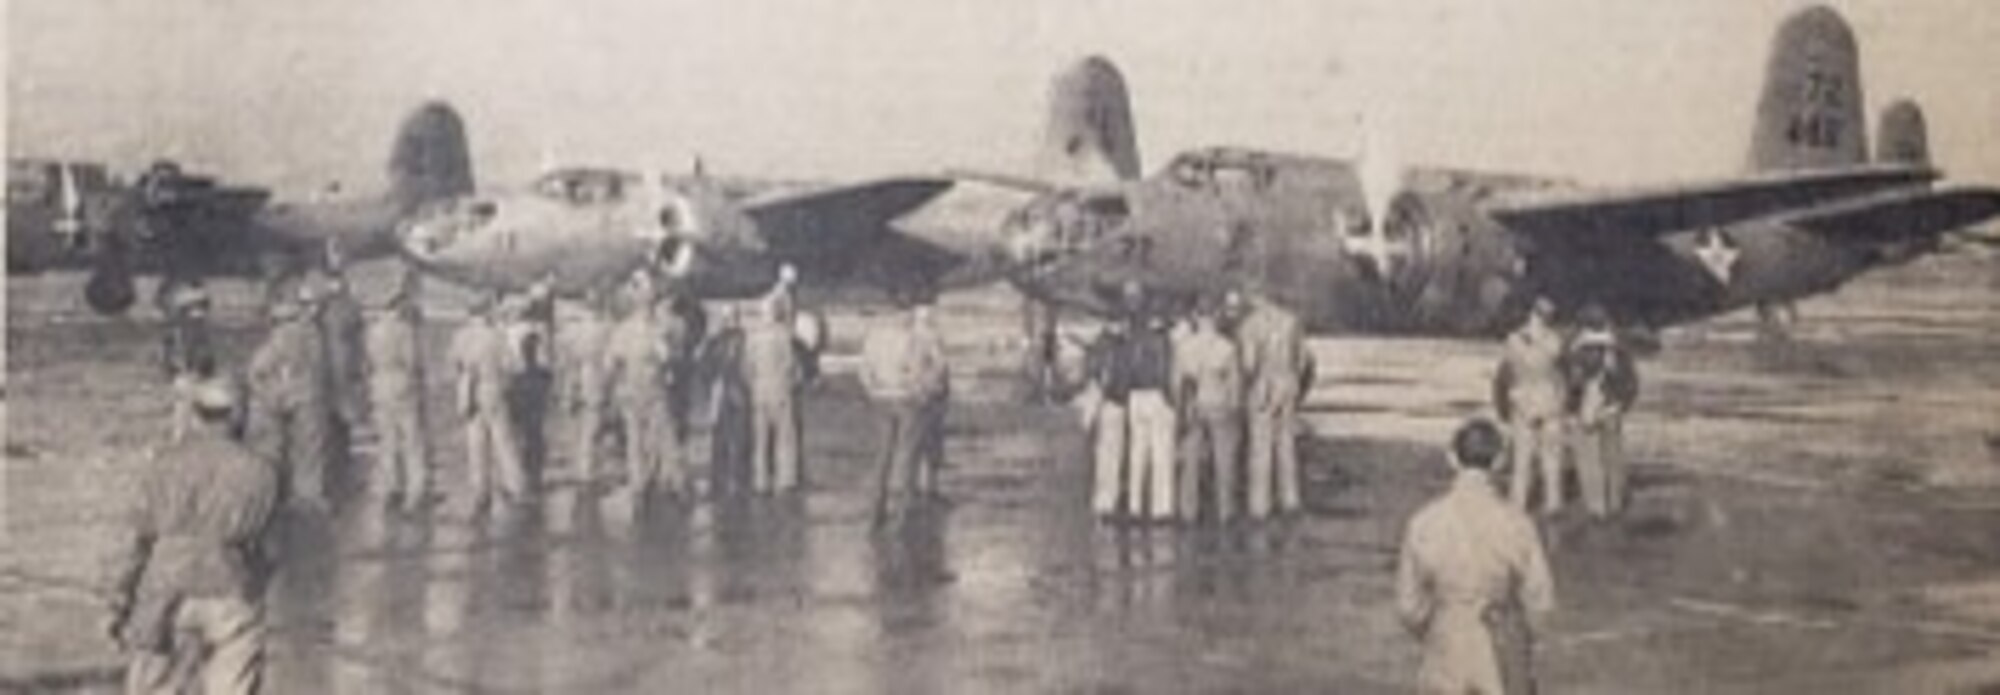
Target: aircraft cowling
1442 266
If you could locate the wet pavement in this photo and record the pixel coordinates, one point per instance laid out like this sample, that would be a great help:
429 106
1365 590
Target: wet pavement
1809 518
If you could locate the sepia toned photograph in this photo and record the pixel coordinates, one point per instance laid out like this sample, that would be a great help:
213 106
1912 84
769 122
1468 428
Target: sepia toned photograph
1450 347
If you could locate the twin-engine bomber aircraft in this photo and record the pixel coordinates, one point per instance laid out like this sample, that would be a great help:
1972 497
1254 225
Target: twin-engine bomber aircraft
1353 248
578 229
185 227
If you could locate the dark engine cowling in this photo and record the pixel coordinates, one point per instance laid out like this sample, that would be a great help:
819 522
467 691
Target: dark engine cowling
1443 266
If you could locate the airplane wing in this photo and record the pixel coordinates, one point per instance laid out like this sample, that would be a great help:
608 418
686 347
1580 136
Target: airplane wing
1650 212
1903 214
838 220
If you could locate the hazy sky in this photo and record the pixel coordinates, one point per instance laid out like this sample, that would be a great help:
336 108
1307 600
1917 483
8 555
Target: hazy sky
304 91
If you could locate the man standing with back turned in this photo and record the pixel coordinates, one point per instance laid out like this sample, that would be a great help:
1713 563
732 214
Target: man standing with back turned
185 600
1472 582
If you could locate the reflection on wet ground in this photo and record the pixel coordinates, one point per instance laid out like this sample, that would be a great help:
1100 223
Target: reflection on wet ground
994 588
1811 517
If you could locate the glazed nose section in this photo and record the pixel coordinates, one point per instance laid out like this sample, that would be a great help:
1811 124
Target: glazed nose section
433 236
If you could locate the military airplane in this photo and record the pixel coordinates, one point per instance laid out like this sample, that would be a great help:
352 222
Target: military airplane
184 226
576 229
47 222
1445 252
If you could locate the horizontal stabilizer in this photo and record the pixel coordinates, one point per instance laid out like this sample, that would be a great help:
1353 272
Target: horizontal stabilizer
1650 212
1904 214
832 219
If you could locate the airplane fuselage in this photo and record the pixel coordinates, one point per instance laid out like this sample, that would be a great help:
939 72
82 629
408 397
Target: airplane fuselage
1299 231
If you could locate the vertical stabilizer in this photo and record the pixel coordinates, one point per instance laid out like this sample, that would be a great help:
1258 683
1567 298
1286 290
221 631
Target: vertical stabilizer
1903 137
430 159
1090 137
1810 114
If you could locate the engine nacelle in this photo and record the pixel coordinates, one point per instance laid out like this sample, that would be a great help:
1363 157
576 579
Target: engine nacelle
1442 266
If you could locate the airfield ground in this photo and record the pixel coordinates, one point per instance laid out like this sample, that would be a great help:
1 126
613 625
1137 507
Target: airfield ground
1817 517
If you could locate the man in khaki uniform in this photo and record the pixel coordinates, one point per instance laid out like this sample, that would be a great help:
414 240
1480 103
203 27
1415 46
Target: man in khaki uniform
483 365
1208 377
1472 581
901 369
1277 365
586 395
396 386
184 599
1529 392
772 368
289 420
637 358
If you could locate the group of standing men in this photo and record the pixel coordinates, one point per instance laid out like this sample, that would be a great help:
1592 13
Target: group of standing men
184 598
1563 393
1169 405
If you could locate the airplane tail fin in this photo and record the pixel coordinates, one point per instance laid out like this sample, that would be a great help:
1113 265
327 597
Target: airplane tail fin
1810 114
430 159
1902 136
1090 136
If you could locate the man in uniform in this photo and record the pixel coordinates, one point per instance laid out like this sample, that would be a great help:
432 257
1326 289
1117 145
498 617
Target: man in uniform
774 373
1472 581
586 394
899 364
189 347
184 599
289 420
396 388
1208 371
1529 393
483 365
1106 368
721 363
636 358
1605 384
189 351
1148 359
527 321
934 388
1277 365
342 323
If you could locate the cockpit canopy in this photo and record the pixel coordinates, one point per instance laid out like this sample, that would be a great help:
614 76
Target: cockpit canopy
1222 168
585 187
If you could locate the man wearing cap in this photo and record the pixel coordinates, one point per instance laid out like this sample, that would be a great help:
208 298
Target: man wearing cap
1529 392
184 599
396 388
189 347
1472 579
483 365
290 422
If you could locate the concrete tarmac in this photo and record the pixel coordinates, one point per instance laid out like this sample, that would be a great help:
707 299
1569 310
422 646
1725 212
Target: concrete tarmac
1812 517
